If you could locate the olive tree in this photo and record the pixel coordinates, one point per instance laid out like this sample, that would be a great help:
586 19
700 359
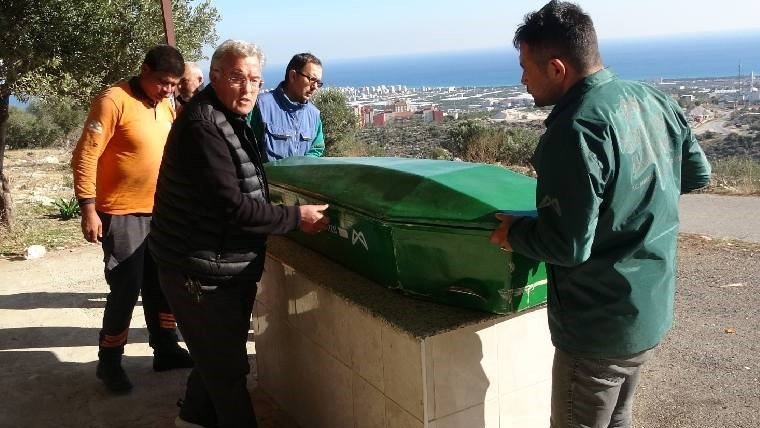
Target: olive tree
75 48
338 122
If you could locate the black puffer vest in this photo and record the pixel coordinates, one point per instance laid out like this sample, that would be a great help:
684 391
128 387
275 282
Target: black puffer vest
189 233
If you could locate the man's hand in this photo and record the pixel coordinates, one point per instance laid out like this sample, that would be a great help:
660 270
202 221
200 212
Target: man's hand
92 227
313 219
500 236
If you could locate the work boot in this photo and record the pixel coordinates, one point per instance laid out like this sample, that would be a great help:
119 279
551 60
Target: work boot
171 357
113 376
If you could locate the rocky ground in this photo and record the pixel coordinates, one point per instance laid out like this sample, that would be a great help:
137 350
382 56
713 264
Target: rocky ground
38 178
39 175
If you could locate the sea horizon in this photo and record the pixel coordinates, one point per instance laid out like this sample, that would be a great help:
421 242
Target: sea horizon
686 56
708 55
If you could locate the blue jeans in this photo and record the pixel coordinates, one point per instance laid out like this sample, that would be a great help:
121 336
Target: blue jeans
594 392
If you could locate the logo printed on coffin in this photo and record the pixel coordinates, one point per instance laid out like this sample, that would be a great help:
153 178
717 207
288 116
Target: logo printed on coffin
358 236
335 230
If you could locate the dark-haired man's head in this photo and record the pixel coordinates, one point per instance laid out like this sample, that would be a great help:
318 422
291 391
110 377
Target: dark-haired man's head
558 47
303 76
160 71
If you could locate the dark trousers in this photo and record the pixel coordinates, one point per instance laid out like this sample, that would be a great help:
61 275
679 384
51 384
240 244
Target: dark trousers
215 327
131 271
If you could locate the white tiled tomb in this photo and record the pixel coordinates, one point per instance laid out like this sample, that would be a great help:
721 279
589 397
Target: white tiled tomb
336 350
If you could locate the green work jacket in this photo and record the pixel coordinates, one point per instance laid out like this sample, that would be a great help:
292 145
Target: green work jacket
611 165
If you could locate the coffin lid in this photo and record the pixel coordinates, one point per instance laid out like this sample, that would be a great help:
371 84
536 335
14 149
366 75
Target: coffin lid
417 191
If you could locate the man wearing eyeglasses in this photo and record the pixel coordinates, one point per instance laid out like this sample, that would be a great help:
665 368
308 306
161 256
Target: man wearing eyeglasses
285 121
210 224
115 165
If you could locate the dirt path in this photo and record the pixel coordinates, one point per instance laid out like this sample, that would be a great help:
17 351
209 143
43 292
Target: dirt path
50 314
717 125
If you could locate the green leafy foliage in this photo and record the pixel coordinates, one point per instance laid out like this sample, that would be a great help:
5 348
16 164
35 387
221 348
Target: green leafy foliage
478 141
25 130
45 123
75 48
739 173
62 112
439 153
463 133
338 123
67 209
736 145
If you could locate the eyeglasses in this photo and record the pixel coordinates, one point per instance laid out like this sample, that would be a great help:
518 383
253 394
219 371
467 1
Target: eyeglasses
312 80
239 81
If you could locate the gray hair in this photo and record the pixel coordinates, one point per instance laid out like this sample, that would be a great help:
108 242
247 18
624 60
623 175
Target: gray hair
192 65
238 49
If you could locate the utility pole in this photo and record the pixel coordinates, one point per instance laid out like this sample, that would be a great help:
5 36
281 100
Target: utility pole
166 11
739 95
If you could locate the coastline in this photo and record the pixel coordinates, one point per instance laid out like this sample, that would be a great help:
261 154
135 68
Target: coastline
684 57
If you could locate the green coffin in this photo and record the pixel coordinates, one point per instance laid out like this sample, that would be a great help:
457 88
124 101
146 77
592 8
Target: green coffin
418 225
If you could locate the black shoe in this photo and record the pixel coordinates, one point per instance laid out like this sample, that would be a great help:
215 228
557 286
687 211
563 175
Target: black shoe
113 376
171 358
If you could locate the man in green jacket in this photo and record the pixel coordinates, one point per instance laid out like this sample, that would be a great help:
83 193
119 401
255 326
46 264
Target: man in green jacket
611 165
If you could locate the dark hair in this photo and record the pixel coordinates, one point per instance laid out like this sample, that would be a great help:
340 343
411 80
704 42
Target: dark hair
560 30
299 61
165 59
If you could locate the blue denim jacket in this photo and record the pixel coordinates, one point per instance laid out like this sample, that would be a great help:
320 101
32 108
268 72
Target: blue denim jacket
286 128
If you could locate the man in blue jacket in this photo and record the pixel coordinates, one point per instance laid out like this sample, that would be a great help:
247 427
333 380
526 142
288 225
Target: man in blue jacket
285 121
611 165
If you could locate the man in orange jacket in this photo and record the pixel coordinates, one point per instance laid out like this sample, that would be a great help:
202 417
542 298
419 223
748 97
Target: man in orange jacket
115 166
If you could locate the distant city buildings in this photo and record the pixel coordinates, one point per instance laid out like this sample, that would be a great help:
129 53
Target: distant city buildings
381 105
724 92
399 110
384 104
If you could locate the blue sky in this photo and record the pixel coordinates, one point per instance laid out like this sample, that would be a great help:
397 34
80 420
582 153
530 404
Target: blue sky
342 29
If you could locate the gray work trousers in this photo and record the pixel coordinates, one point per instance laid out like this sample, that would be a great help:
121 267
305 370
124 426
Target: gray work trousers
594 392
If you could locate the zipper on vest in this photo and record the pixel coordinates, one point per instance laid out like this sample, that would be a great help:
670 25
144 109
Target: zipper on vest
220 249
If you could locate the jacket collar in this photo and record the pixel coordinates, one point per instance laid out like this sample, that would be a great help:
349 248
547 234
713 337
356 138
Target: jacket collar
577 91
139 93
286 103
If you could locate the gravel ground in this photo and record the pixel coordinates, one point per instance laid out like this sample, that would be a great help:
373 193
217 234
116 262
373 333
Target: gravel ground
706 373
